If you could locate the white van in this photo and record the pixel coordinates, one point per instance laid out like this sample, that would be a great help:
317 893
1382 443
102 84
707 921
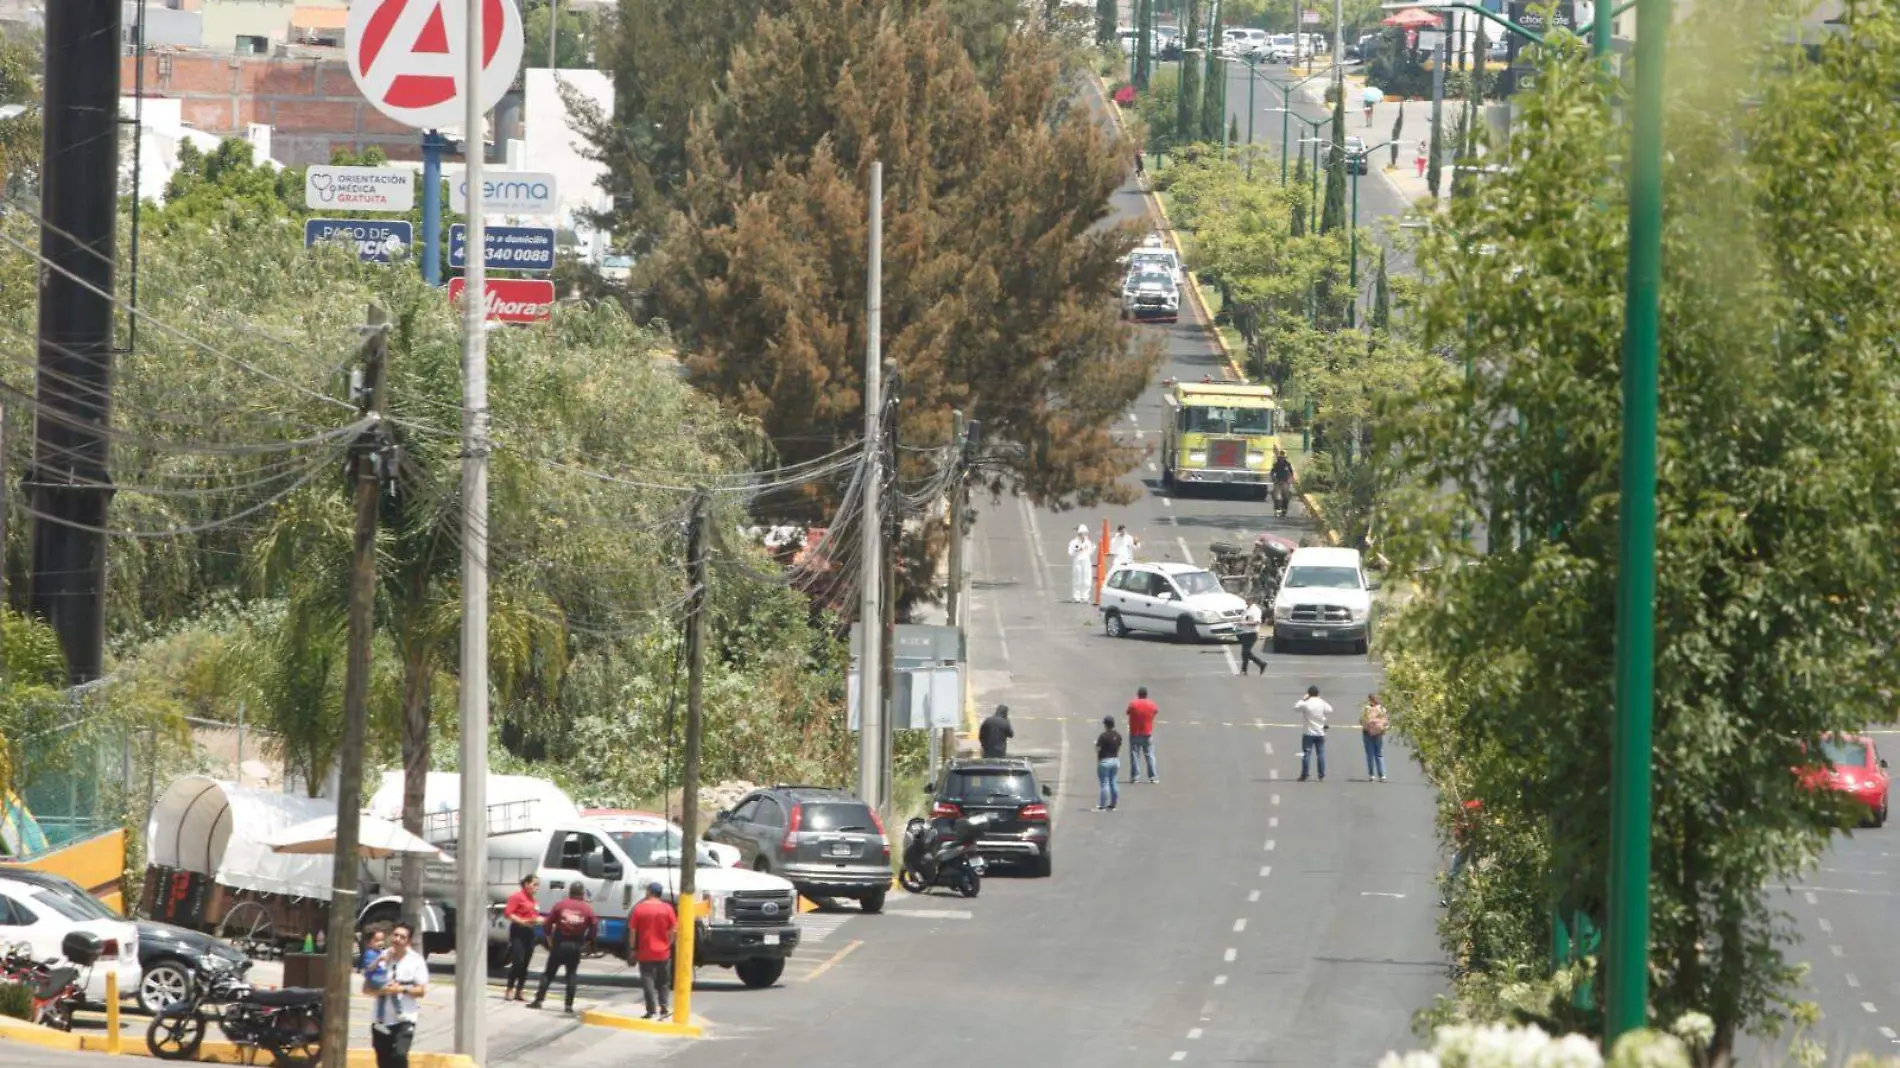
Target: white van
1324 598
1247 42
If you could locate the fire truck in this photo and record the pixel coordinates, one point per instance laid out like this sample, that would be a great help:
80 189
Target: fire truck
1219 434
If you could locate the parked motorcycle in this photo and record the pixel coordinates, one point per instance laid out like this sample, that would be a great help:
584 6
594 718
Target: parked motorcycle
288 1024
59 986
936 855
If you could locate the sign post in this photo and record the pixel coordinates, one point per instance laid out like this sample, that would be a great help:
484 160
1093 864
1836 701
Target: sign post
430 64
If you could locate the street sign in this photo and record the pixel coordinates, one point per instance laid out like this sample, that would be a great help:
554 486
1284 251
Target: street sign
390 189
407 57
376 240
507 193
512 300
509 248
1309 17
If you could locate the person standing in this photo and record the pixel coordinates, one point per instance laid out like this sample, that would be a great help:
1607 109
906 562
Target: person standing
1314 712
571 926
654 924
523 917
1081 566
1424 151
995 733
1141 735
402 981
1121 549
1373 721
1249 633
1108 764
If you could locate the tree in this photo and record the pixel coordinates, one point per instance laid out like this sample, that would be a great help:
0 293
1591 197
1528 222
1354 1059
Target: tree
1775 585
1435 161
1106 19
19 134
1188 103
32 678
1333 209
1398 126
1159 110
1299 203
580 32
997 276
1381 315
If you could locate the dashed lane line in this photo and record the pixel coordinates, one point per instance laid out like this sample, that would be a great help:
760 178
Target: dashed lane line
1240 925
818 926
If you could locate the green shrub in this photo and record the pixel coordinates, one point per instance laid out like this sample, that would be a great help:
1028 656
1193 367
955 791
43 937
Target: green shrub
16 1000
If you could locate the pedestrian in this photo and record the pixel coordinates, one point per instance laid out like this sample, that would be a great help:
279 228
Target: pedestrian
1464 838
1081 565
1139 169
653 926
1249 634
1121 549
1373 721
1424 153
523 917
404 981
995 733
571 927
1314 711
1108 764
1141 734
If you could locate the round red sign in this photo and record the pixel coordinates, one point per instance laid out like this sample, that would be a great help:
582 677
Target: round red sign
409 57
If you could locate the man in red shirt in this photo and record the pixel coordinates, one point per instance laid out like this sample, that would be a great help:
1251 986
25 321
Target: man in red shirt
1141 735
523 917
654 925
571 926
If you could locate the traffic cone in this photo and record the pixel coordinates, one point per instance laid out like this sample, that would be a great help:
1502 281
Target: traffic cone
309 943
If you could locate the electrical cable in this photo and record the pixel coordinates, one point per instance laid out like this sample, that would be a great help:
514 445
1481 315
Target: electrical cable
185 531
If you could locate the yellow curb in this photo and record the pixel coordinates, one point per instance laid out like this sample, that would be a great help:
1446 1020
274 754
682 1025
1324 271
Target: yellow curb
213 1052
34 1035
596 1018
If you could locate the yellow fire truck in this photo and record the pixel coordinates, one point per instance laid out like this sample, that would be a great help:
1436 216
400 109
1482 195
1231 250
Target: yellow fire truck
1220 434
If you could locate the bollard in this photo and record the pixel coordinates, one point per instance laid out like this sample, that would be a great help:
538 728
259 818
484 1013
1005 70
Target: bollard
683 959
112 1013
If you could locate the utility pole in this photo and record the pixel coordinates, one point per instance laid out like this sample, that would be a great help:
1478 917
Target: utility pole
871 557
968 433
554 34
471 852
71 487
5 418
696 602
887 630
366 475
1339 47
432 146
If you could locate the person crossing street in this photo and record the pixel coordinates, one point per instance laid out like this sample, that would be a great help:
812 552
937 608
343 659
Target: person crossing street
1249 634
1141 735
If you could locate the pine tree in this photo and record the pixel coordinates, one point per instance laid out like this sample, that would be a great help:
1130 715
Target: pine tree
1105 18
1398 125
1188 103
1333 211
1435 160
1298 199
1233 129
1381 296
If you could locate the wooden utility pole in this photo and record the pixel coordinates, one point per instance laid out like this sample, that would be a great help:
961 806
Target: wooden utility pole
696 609
887 629
366 475
941 749
871 551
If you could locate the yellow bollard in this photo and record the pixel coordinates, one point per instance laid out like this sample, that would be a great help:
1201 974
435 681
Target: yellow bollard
683 959
112 1013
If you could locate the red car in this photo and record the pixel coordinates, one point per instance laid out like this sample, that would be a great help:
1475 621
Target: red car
1854 770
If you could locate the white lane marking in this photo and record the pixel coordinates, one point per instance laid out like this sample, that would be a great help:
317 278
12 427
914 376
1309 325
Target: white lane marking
1273 773
1062 766
1269 845
1035 540
1261 724
1194 1033
1838 890
1151 465
1275 799
1233 666
1220 980
1869 1006
1233 954
1812 900
1379 893
932 914
1166 503
1257 723
1266 870
1131 417
1888 1033
1837 951
1826 927
1186 553
1273 821
1179 1055
1227 724
1253 895
1240 925
1853 980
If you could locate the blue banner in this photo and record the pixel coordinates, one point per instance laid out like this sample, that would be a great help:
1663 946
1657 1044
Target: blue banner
376 240
507 248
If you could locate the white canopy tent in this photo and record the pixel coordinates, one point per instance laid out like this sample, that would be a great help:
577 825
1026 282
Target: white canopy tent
221 829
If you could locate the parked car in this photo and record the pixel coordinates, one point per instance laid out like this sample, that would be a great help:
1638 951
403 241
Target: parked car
1282 48
827 842
34 910
1324 597
1169 598
1007 788
1854 770
169 956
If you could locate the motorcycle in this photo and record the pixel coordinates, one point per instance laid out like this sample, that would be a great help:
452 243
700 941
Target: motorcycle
58 986
946 857
288 1024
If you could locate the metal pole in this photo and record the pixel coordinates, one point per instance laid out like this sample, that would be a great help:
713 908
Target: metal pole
240 744
471 856
70 485
1286 125
871 559
954 603
1438 101
1352 310
432 145
1604 25
1252 80
1626 945
554 33
689 773
345 865
1339 45
887 629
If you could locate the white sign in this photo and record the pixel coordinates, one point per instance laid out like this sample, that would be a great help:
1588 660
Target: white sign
408 57
359 189
506 193
1310 17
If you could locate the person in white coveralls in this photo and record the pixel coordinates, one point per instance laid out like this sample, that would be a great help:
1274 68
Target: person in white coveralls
1121 549
1081 565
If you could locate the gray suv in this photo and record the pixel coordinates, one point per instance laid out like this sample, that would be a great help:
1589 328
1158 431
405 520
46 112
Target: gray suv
825 841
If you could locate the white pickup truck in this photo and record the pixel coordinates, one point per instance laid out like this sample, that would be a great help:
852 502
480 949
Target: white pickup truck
747 922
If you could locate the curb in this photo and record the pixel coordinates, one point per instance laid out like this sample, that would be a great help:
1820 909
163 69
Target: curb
1156 210
210 1052
674 1029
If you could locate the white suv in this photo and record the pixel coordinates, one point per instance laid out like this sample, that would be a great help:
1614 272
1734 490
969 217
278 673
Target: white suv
1179 599
1323 597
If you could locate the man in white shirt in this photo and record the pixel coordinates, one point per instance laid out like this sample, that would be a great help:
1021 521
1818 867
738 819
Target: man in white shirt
1314 712
1081 566
1248 634
1121 548
393 1027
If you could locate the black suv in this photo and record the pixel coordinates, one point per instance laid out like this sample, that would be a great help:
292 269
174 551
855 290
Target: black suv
825 841
1007 787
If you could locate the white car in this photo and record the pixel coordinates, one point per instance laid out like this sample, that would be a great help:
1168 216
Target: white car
1168 598
1247 42
1324 597
1150 257
41 918
1150 294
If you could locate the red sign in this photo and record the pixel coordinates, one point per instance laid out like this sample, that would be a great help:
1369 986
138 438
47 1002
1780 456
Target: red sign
513 300
407 56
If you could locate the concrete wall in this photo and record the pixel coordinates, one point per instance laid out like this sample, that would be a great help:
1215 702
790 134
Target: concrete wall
164 28
311 104
227 20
